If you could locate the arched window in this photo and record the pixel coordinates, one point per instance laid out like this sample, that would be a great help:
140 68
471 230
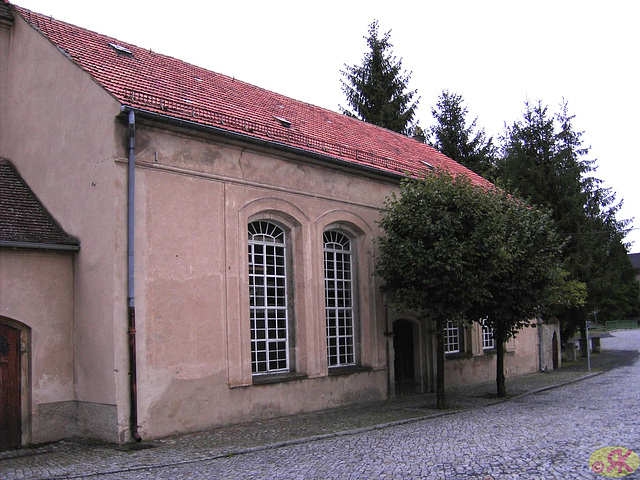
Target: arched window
268 298
339 299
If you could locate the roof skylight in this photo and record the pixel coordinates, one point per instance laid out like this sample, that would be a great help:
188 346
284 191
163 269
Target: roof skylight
121 49
283 121
427 164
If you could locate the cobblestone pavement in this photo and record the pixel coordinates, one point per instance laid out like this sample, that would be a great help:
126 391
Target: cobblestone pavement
541 432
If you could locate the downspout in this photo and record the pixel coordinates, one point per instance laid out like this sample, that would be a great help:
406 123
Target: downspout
131 307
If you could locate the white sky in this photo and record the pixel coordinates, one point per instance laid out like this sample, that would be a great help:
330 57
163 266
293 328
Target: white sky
495 53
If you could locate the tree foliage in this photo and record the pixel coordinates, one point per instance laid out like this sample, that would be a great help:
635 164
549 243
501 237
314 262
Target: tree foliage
456 139
528 280
543 160
456 251
377 90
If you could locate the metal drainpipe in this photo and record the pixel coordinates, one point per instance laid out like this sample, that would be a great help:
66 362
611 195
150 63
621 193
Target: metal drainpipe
133 385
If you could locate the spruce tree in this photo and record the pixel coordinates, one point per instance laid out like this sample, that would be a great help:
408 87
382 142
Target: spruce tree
377 91
456 139
544 161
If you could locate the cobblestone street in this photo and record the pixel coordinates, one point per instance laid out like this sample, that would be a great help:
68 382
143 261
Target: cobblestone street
548 433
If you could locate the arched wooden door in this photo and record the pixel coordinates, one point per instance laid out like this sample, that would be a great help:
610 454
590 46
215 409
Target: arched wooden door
404 358
10 415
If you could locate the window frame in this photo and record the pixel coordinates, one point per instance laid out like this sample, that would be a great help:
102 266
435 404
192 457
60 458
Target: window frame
341 300
453 331
269 298
488 337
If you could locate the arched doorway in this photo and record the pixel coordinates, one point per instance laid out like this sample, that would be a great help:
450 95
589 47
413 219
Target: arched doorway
404 357
10 382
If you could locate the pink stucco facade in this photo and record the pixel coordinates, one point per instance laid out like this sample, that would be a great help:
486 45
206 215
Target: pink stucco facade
196 191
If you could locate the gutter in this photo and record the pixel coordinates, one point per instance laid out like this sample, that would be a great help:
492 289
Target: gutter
40 246
131 307
141 113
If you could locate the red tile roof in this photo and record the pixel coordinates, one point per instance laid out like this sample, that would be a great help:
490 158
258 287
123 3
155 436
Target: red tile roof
24 222
156 83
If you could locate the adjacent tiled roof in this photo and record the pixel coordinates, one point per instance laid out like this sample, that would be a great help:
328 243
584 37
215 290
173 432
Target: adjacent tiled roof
24 222
142 79
6 17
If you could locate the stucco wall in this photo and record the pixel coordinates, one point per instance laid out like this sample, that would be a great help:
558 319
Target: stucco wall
60 131
521 358
36 296
197 196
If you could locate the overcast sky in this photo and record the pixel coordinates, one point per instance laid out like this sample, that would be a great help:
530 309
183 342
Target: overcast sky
496 54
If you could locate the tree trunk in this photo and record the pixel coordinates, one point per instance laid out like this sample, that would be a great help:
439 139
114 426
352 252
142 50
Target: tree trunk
500 349
582 341
441 402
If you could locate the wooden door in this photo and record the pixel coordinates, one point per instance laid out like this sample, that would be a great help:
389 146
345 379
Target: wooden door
404 364
10 416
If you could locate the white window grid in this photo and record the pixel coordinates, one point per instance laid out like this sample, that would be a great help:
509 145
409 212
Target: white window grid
339 304
268 298
451 337
488 340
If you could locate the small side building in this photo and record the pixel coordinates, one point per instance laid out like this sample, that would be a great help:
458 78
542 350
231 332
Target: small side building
36 296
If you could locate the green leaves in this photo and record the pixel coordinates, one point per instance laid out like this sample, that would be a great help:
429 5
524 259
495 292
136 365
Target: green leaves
455 250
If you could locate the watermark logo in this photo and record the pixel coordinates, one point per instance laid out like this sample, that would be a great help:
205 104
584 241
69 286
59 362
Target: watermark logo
614 461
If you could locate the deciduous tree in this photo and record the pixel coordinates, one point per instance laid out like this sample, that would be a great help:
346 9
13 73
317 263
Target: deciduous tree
436 251
528 280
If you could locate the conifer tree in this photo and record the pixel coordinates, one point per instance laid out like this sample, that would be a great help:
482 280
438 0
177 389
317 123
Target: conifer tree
377 90
456 139
544 161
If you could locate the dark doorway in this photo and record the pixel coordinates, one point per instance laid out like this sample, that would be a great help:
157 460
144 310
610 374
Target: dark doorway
10 416
554 350
403 365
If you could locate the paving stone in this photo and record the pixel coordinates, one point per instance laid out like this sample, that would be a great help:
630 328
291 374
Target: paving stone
540 432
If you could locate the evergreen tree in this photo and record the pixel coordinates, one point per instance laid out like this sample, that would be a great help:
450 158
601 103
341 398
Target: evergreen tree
543 160
456 139
377 91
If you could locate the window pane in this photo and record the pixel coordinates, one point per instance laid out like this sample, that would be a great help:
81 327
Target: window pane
338 299
451 338
268 298
488 341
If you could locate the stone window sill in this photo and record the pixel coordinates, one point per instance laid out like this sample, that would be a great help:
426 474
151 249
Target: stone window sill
348 370
277 378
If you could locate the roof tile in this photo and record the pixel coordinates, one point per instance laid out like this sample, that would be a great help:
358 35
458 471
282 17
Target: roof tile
23 219
164 85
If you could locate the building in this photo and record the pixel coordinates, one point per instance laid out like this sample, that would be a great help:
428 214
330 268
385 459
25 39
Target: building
220 247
